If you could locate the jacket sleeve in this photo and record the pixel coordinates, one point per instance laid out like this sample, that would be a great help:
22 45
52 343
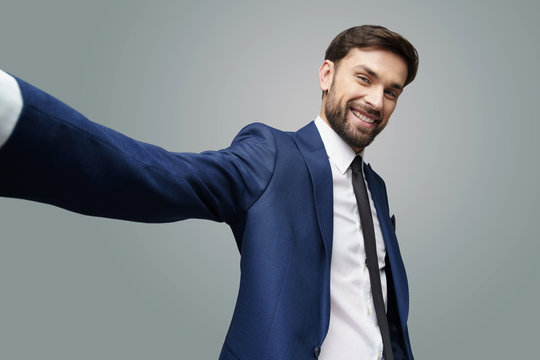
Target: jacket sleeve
56 156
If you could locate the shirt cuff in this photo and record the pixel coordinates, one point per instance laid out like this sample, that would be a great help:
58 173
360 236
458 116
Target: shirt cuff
11 104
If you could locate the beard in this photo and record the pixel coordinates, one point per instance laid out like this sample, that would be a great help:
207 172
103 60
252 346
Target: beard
356 137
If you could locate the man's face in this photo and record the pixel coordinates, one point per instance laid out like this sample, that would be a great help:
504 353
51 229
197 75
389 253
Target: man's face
363 89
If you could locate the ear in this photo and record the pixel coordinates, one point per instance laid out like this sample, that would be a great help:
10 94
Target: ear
326 75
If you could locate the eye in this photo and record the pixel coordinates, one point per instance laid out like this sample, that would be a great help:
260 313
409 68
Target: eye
363 78
391 94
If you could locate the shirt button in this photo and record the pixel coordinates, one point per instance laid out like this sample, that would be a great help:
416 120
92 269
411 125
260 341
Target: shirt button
317 352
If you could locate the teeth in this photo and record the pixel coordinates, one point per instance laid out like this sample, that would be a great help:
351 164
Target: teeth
362 117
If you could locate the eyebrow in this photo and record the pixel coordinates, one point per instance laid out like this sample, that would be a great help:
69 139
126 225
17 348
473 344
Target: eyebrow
374 75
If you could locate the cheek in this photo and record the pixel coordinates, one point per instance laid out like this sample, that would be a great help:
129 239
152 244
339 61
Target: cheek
389 109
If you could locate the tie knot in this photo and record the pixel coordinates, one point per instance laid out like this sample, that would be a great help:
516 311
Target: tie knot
356 165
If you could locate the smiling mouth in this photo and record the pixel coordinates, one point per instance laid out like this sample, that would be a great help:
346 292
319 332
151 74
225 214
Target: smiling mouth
363 117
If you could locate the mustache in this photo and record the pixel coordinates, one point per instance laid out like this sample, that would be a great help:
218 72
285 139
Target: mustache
366 108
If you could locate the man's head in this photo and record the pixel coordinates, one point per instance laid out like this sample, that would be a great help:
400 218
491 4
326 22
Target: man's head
364 72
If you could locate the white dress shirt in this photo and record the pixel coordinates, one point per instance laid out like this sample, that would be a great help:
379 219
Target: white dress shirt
10 105
353 332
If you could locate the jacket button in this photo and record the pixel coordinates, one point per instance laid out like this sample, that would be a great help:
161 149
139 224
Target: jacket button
316 352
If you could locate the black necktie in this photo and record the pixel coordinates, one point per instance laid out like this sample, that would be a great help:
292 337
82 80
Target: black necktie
370 245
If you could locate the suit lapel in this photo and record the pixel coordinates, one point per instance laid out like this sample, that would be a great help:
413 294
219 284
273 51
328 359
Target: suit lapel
310 144
378 193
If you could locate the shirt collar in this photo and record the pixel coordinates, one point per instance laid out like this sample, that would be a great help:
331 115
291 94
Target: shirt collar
341 154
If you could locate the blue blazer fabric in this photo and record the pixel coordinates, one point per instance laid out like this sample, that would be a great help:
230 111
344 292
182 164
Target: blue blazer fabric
273 188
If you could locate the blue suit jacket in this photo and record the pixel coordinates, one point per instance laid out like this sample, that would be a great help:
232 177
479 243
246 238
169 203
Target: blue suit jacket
273 188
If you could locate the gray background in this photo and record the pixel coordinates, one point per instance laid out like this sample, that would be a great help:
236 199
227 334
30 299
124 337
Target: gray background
459 158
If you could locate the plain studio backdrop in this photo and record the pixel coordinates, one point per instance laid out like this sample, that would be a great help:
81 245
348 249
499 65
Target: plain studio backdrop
459 158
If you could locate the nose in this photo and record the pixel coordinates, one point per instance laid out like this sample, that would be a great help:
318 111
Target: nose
375 98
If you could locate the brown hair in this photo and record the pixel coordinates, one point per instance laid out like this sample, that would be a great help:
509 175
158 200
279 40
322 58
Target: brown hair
376 36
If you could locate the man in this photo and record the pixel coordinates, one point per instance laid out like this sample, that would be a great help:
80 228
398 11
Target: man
291 199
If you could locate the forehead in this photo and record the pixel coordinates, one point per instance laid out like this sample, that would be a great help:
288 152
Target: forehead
388 65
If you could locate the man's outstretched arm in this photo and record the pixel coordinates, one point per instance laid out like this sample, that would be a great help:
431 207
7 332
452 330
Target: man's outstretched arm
57 156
